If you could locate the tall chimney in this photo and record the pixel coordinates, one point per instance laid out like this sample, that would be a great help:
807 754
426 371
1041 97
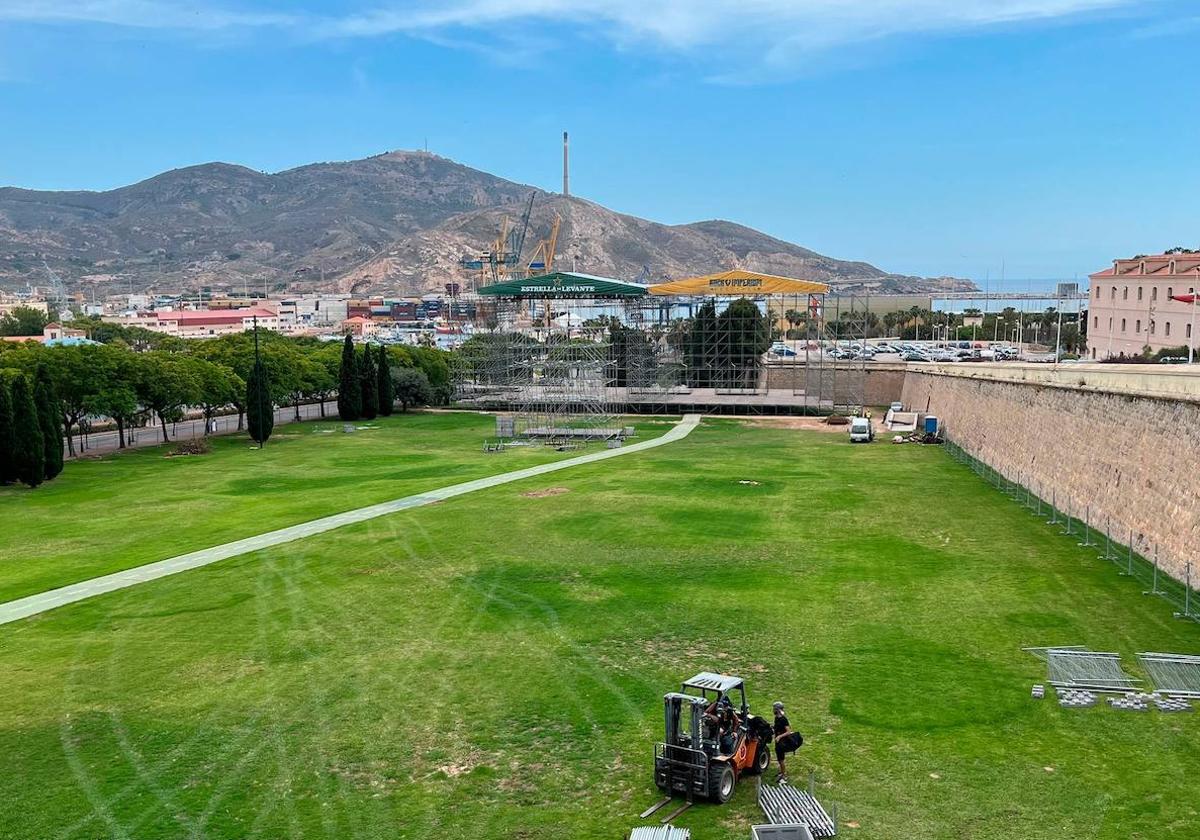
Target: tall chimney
566 176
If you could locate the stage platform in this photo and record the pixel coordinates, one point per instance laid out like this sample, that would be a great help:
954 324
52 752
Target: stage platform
766 401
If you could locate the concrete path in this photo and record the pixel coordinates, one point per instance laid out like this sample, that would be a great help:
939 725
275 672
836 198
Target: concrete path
34 604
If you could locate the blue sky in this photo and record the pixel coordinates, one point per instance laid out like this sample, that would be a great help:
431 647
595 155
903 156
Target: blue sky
964 137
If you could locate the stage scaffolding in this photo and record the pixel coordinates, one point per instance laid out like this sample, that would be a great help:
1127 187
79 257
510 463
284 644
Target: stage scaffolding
838 382
568 354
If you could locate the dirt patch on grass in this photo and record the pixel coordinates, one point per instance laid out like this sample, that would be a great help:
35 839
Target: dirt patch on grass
806 424
549 491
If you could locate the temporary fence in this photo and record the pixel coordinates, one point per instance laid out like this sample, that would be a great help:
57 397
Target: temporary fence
1130 553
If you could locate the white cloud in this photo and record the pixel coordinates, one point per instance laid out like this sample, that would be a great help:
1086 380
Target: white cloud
774 32
683 24
140 14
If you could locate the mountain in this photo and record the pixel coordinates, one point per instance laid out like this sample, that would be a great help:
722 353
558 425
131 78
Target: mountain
397 222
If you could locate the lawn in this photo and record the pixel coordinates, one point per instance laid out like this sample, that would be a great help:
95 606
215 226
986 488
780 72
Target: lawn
123 510
493 665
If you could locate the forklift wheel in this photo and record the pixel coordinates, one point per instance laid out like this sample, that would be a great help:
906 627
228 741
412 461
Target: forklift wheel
762 758
722 785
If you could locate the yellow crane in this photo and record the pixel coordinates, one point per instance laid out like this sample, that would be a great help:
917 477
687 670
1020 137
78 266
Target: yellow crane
543 256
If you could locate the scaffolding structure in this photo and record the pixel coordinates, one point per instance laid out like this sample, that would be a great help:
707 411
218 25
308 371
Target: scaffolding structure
569 353
834 371
548 356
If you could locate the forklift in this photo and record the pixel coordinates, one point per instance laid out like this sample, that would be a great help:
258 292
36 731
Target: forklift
711 741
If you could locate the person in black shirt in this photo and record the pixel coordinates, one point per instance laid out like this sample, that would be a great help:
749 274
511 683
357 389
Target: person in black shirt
786 741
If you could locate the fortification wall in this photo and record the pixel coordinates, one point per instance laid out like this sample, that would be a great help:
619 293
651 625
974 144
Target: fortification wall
1120 442
882 383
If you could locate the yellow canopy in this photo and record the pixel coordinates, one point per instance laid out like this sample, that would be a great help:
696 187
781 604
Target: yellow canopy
739 282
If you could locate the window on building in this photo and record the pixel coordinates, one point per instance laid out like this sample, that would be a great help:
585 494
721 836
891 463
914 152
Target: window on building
1139 292
1154 293
1095 322
1167 328
1113 294
1170 292
1110 323
1188 331
1097 291
1093 352
1125 293
1137 327
1153 326
1122 325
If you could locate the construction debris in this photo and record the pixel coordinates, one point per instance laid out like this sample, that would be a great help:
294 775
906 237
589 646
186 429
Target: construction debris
1039 691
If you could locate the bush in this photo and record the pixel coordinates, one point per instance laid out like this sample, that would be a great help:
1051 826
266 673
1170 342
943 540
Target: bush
199 446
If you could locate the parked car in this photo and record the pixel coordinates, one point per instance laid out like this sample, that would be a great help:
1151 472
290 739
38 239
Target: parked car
897 406
1173 360
861 430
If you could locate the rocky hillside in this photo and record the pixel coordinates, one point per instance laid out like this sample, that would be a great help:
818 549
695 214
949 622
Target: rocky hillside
398 222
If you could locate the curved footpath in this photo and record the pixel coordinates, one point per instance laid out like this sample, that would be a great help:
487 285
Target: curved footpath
34 604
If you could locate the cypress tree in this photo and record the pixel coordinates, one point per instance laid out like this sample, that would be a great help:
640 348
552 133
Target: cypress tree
260 410
387 389
29 453
8 470
49 411
370 385
349 385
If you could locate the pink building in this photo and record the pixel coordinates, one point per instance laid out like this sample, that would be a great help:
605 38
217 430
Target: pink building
1131 305
202 323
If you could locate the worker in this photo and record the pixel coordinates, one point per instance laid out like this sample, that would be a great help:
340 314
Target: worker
786 741
728 727
722 724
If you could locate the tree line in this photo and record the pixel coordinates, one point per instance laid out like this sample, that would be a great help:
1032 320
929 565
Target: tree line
127 385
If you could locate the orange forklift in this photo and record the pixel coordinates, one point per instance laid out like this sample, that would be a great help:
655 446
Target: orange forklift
711 741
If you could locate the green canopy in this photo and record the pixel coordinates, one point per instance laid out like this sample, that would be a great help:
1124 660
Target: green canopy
565 284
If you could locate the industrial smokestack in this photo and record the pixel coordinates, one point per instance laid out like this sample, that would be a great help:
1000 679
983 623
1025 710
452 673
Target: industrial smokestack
566 171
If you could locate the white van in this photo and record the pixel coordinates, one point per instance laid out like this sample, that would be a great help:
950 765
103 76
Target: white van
861 430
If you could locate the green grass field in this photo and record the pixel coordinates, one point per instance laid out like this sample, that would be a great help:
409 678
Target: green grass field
124 510
493 665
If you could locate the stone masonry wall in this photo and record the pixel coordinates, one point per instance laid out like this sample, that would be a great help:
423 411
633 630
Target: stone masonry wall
1131 459
882 385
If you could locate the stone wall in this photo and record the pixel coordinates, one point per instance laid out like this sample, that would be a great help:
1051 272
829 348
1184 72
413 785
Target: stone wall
882 383
1114 447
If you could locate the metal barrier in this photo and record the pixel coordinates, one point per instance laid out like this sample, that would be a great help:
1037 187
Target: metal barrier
1132 556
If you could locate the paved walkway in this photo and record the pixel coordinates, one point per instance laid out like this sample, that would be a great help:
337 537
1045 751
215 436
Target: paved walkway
34 604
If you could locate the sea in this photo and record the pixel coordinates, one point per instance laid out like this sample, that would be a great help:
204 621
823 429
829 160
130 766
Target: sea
1024 295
